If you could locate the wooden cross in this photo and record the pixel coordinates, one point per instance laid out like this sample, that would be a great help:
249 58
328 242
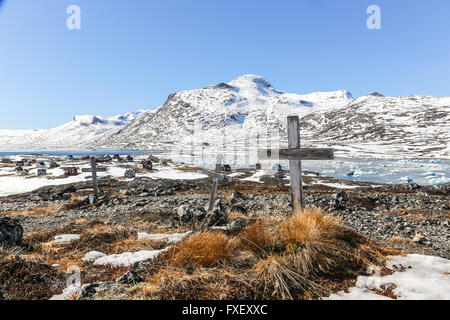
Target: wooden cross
94 171
217 177
295 155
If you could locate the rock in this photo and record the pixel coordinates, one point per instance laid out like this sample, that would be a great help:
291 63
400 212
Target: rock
236 196
342 196
199 214
70 189
445 207
218 207
239 209
130 277
216 217
184 214
238 224
10 230
388 286
91 289
419 238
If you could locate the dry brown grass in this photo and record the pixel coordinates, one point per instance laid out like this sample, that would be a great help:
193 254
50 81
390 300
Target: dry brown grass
258 236
75 203
203 249
204 284
286 258
132 245
37 211
9 251
280 280
309 226
236 216
400 240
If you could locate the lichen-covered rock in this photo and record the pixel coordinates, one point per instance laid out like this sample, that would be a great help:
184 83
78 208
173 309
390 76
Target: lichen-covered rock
10 231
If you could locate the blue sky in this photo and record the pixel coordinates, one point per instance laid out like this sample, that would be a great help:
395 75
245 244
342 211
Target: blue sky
132 54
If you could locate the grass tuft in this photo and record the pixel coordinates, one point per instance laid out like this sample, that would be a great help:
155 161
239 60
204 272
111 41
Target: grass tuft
203 249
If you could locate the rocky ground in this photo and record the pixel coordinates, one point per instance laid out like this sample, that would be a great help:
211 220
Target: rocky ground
413 218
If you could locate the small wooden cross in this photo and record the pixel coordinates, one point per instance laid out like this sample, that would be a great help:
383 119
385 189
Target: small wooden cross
217 177
94 171
295 155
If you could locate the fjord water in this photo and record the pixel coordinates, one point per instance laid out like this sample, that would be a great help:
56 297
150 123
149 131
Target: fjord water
420 171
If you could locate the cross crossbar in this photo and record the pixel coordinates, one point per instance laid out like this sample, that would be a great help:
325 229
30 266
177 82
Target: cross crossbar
221 177
298 154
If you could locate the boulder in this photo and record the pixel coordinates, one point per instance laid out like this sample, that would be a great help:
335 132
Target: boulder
217 216
130 277
239 224
91 289
184 213
342 196
10 230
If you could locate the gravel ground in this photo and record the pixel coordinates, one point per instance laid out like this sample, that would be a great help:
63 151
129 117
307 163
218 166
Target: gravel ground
409 217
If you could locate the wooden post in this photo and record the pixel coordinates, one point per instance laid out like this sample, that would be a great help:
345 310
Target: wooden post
247 151
215 184
94 176
93 170
295 166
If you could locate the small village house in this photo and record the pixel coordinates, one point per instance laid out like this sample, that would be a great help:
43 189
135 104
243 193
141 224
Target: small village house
103 159
54 164
41 165
130 173
147 164
70 171
41 172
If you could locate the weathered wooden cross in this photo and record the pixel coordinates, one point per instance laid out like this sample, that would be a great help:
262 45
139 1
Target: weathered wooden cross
295 155
217 177
94 169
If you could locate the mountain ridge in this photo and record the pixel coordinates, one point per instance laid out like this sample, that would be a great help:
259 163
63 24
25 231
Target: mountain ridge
368 126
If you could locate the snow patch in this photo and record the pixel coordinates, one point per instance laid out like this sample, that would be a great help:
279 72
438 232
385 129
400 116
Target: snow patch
170 238
424 278
66 238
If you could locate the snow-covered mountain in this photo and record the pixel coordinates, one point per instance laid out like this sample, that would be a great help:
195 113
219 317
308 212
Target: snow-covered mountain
78 133
248 106
247 111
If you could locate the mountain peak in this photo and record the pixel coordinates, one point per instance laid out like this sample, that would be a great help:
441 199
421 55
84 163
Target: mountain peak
250 79
83 118
375 94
